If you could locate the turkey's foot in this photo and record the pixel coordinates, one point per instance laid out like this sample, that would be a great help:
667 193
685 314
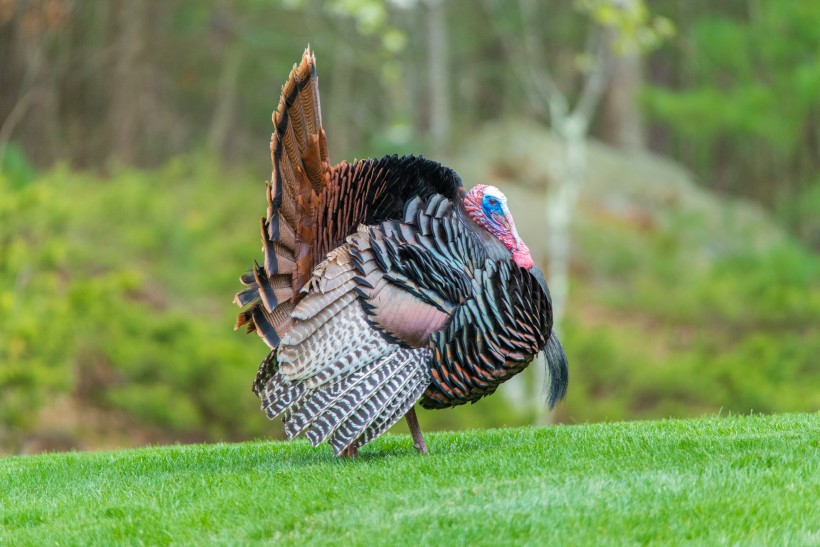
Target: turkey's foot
415 431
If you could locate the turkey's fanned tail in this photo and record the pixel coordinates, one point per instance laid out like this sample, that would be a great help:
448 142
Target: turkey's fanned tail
301 168
300 173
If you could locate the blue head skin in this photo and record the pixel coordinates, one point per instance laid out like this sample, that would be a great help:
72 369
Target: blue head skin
494 210
487 206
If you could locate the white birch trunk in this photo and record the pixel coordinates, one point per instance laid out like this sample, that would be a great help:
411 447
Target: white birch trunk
571 125
560 209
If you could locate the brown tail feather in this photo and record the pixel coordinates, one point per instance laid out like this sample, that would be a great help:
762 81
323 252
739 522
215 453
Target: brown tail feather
300 166
278 255
300 172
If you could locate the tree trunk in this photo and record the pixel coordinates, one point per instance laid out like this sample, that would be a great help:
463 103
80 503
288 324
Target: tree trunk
439 78
230 49
562 199
560 209
340 117
224 111
623 123
125 88
32 93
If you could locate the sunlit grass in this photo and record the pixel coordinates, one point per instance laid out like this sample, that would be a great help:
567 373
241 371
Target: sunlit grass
747 480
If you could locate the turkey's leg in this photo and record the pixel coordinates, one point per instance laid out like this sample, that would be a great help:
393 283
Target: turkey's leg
415 431
351 451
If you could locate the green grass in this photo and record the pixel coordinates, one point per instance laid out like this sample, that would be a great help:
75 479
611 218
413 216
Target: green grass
747 480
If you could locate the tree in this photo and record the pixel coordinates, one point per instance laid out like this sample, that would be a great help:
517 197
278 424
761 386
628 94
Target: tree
622 123
128 81
615 27
226 29
438 75
741 106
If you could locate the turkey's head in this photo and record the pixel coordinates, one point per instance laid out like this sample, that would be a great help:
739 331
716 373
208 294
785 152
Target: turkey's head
487 206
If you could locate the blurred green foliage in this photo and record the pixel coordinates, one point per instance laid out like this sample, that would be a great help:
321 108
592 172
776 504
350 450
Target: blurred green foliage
117 290
675 337
744 103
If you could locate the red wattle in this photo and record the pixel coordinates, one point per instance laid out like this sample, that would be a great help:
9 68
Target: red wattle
522 257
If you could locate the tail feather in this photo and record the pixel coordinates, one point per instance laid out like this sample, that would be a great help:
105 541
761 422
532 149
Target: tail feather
272 325
301 170
300 163
272 290
244 317
245 297
279 257
247 278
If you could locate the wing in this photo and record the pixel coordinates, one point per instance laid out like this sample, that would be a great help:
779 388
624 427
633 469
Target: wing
432 281
313 207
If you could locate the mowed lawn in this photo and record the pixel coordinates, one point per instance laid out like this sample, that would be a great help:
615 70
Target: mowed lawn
747 480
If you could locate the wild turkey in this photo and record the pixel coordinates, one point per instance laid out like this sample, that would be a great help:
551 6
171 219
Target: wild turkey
384 284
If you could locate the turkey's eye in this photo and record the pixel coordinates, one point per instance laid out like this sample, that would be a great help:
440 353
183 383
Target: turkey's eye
493 202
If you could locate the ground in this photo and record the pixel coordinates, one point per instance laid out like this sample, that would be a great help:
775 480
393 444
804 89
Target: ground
747 480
